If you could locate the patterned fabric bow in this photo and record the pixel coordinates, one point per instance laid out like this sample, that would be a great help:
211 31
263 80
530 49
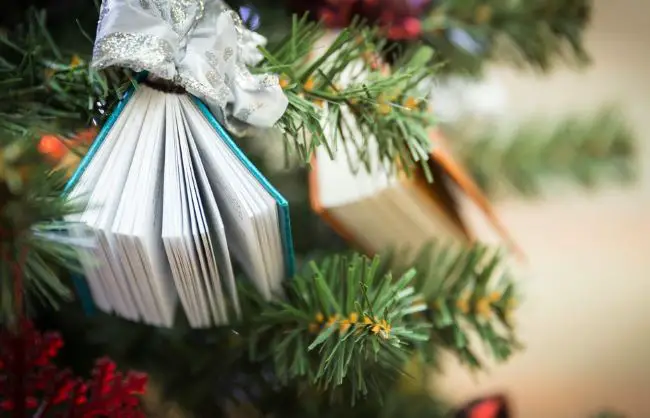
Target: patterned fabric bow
200 45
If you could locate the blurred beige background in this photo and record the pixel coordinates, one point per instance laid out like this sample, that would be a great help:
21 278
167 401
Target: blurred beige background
586 315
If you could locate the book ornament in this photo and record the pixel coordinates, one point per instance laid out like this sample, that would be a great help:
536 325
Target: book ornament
169 199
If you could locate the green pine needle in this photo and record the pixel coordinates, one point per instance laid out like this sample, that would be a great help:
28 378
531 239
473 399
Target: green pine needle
538 34
350 325
587 151
346 86
44 89
30 200
342 326
469 295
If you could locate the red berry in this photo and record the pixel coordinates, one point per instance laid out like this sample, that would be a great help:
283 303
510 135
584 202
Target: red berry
52 147
7 405
413 27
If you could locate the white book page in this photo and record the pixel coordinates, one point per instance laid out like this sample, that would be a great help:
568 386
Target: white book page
101 292
113 267
134 198
233 203
344 179
183 236
174 213
111 272
168 202
396 219
266 226
97 164
147 228
407 225
255 205
197 231
98 290
106 198
108 183
215 244
268 223
435 223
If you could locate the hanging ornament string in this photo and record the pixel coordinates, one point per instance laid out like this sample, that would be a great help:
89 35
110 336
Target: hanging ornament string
199 45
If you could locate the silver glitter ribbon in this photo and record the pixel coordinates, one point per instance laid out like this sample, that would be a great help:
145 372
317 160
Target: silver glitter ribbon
200 45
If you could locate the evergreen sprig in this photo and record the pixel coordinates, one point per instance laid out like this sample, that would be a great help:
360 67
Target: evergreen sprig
351 324
469 293
343 325
44 89
533 33
585 150
30 199
347 92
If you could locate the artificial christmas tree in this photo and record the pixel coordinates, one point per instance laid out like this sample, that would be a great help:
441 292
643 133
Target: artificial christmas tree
348 331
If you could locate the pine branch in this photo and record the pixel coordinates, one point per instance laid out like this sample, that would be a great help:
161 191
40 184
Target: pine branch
346 328
532 33
347 85
469 295
588 151
30 199
44 89
343 326
468 292
352 325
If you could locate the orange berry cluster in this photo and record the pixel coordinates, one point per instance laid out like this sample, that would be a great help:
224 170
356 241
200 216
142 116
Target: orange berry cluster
385 104
483 306
377 326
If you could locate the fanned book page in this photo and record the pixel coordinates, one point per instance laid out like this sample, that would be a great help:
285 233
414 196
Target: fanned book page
169 201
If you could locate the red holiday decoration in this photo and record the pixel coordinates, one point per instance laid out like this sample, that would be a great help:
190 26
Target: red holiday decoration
52 147
490 407
398 18
56 148
64 153
32 386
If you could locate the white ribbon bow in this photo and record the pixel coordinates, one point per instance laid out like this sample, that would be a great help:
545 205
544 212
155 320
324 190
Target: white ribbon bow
200 45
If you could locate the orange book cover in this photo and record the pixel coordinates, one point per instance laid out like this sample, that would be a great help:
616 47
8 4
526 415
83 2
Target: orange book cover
442 155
